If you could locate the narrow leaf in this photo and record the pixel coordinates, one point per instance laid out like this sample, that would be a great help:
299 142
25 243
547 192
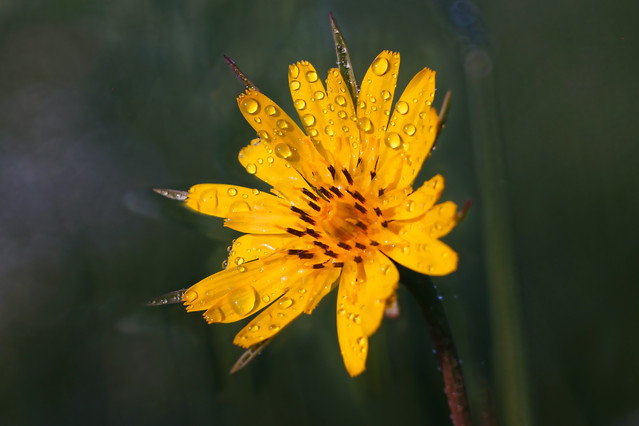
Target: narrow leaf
344 59
248 84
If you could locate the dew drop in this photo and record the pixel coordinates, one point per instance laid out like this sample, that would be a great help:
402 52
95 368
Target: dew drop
294 71
313 133
386 95
282 124
302 290
250 105
393 140
300 104
361 341
362 105
282 150
270 160
241 268
274 327
239 260
285 302
340 100
309 120
189 296
295 85
410 129
311 76
266 299
240 207
380 66
270 110
365 125
214 315
342 114
232 192
251 168
255 192
329 131
319 95
243 299
401 107
263 135
254 328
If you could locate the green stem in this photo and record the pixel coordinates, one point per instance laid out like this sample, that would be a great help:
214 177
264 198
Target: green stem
425 293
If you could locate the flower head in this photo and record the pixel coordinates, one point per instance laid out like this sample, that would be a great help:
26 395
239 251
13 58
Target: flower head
342 206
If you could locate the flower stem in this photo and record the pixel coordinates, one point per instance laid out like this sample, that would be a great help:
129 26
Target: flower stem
424 291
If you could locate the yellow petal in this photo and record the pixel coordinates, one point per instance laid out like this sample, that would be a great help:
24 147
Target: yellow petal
275 127
268 162
253 246
413 126
281 312
224 200
353 342
379 284
430 257
376 96
341 121
311 102
434 224
417 203
324 282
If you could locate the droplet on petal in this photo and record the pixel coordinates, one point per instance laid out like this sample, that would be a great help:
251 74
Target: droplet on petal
380 66
232 192
365 125
285 302
300 104
401 107
243 300
251 168
250 105
311 76
393 140
282 150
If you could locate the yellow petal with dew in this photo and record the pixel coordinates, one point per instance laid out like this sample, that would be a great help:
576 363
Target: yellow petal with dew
434 224
224 200
255 246
353 342
378 284
430 257
311 102
269 163
324 282
271 222
341 121
417 203
376 96
279 314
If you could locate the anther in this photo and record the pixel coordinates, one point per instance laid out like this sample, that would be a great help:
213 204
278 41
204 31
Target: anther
298 210
305 255
294 232
332 170
325 193
380 192
385 224
348 176
359 197
309 194
360 246
314 206
320 244
378 211
336 191
330 253
358 259
361 225
373 174
295 252
307 219
338 264
318 266
313 233
344 246
361 208
374 243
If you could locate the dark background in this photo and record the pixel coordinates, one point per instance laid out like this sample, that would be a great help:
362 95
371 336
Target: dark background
102 101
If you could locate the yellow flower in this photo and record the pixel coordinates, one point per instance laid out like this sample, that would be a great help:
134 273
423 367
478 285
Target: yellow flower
342 205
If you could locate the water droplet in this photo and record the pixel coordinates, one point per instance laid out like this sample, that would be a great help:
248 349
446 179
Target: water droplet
311 76
243 300
254 328
401 107
258 120
357 319
362 105
340 100
341 114
266 299
365 125
372 99
225 264
263 135
295 85
319 95
393 140
285 302
313 132
251 168
300 104
386 95
293 71
250 105
214 315
274 327
241 268
239 260
190 296
309 120
255 192
232 192
282 124
282 150
380 66
270 110
240 207
302 290
409 129
329 130
361 341
341 311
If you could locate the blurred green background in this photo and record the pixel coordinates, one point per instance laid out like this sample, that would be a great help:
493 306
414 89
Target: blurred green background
102 101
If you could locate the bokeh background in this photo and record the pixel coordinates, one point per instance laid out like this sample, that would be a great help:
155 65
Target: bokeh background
102 101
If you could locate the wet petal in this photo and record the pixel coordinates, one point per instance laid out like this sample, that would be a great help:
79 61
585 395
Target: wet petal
254 246
353 342
430 257
434 224
224 200
341 121
380 283
323 283
269 163
376 96
417 203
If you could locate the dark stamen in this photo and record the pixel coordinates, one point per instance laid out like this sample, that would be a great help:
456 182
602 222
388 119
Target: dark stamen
330 253
318 266
332 170
373 174
361 208
361 225
348 176
305 255
325 193
374 243
295 252
359 197
298 211
338 264
378 211
358 259
313 233
320 244
360 246
294 232
309 194
344 246
385 224
307 219
336 191
314 206
380 192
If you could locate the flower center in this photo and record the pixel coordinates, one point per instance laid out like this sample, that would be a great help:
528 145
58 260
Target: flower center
346 222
